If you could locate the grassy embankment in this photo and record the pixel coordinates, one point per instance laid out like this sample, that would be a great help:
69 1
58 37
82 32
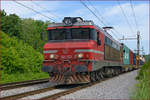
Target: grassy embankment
143 86
6 78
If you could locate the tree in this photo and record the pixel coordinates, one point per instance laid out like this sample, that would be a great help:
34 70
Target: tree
19 57
31 32
10 24
28 30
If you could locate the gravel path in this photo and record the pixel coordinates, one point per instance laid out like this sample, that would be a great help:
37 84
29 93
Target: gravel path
120 87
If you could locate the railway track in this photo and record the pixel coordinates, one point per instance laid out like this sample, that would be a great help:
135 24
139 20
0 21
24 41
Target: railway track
22 84
56 95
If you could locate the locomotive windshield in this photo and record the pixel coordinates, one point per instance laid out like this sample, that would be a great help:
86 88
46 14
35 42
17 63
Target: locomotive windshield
72 34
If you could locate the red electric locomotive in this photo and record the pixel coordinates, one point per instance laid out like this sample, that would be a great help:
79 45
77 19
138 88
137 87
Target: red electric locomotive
78 51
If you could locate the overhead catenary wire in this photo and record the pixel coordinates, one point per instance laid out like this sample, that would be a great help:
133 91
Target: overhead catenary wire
92 12
102 17
136 23
114 34
97 11
38 5
134 16
125 17
33 10
102 21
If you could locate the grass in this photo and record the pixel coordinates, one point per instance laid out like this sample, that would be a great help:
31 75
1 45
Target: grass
5 78
143 86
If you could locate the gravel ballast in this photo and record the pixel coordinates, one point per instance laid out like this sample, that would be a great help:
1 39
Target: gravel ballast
120 87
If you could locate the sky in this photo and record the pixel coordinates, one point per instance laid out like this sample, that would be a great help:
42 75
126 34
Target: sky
118 14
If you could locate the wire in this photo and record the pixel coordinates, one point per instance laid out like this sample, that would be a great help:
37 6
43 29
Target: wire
104 19
96 10
114 34
125 17
98 17
44 8
33 10
134 16
92 13
117 31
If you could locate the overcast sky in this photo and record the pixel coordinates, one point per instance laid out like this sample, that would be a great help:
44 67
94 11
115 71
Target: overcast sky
108 11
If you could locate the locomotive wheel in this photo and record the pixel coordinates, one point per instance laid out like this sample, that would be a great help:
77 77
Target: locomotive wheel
108 72
111 72
92 77
97 76
120 71
116 72
101 74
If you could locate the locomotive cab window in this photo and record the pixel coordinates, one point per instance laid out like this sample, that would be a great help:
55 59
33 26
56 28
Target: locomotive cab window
72 34
80 33
57 34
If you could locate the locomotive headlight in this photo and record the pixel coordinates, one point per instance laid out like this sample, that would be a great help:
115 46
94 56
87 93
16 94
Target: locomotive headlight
52 56
80 55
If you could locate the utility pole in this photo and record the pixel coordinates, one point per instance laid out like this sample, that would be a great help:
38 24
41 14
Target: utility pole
138 47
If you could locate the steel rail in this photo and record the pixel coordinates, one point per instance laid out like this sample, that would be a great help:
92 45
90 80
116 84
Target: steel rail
69 91
25 94
22 84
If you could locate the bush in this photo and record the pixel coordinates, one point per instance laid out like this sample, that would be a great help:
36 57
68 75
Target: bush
18 57
143 90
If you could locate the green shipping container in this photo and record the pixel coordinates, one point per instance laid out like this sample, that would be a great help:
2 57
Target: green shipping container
126 55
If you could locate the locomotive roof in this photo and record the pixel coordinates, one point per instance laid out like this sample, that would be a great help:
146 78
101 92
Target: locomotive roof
85 23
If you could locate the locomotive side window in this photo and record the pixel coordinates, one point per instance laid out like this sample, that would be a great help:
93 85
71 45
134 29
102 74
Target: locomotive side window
98 38
93 35
105 39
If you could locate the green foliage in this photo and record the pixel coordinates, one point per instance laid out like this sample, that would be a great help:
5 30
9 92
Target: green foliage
147 58
27 30
18 57
3 13
21 45
10 24
143 73
143 90
31 33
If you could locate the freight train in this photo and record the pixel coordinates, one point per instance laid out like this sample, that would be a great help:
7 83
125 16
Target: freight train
78 51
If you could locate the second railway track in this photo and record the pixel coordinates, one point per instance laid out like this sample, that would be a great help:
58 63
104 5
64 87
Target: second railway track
22 84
